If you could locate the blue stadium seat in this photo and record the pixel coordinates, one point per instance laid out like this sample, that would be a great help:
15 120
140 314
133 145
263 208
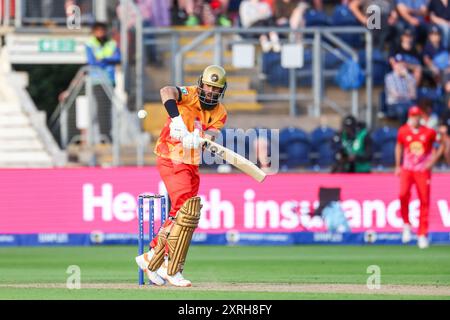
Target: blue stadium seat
342 16
332 61
276 75
295 147
389 113
436 95
384 141
315 18
380 65
321 142
269 60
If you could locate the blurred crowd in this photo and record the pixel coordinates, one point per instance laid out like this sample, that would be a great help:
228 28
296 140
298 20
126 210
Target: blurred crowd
412 37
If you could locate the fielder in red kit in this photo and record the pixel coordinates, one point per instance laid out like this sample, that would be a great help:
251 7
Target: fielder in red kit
416 142
194 112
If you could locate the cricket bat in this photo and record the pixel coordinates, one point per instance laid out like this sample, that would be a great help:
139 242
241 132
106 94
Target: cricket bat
234 159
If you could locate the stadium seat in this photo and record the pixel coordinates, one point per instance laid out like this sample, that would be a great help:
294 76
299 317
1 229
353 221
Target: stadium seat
380 65
383 109
295 147
315 18
332 61
321 142
384 140
436 95
270 62
342 16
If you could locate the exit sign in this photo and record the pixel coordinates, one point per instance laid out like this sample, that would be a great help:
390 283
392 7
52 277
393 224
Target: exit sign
57 45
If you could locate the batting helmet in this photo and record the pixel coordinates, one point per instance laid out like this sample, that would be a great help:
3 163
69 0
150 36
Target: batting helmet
214 76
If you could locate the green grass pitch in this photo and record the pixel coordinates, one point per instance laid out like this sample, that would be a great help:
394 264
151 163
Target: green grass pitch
294 272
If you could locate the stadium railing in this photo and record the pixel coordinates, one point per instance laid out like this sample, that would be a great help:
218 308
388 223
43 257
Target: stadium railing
125 125
319 40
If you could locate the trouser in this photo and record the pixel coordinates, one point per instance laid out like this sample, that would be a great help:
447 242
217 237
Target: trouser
182 182
445 30
104 111
421 179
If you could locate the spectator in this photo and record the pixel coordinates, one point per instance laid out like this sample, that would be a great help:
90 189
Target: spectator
433 47
193 9
388 21
412 15
440 14
318 4
103 53
211 11
219 10
126 10
444 131
400 88
155 13
411 57
290 13
429 119
353 148
257 13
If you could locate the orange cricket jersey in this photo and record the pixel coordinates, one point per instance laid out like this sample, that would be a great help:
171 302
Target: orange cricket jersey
195 118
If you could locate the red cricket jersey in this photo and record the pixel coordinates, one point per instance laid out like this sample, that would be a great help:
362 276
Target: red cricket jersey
417 146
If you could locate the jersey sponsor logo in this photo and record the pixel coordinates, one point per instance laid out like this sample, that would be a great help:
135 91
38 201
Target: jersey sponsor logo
417 148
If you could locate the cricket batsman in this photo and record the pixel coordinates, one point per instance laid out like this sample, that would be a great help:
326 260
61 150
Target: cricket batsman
416 143
194 112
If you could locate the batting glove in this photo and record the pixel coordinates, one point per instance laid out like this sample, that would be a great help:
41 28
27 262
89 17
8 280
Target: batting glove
178 129
192 140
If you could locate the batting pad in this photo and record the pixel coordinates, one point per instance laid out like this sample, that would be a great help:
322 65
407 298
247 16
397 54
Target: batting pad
181 234
160 249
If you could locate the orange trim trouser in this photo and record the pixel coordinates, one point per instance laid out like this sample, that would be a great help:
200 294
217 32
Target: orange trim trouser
422 181
182 182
